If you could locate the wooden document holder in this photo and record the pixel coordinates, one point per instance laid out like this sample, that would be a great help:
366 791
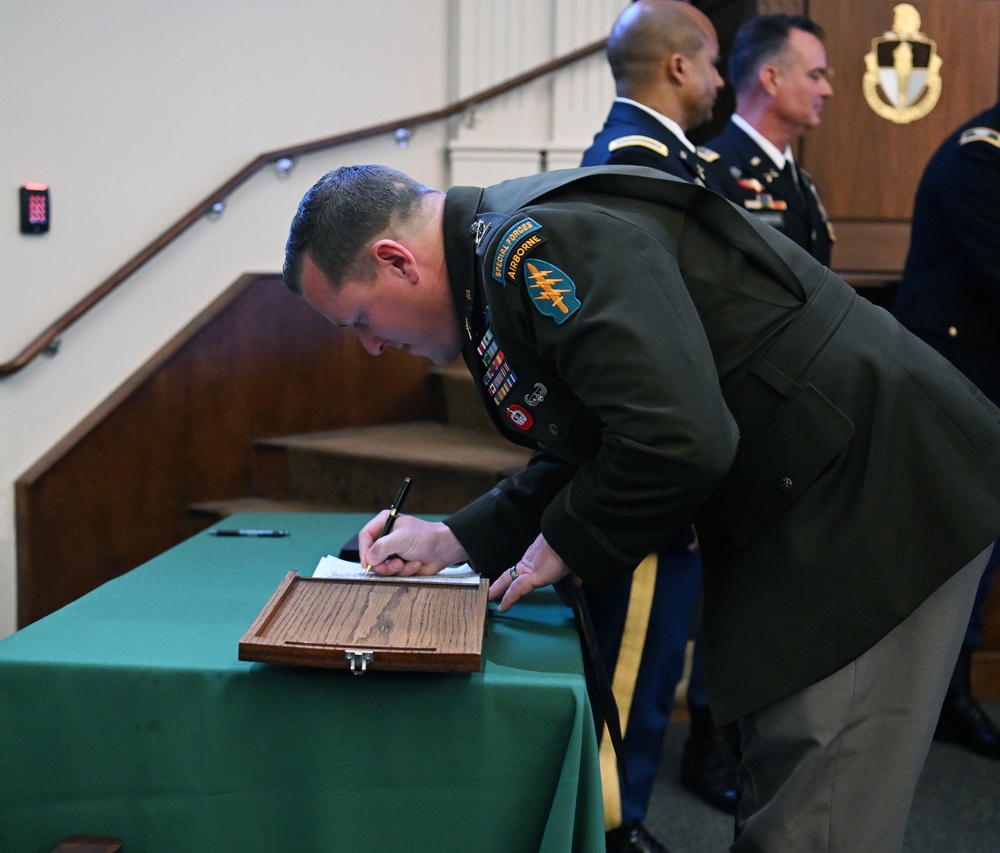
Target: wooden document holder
379 623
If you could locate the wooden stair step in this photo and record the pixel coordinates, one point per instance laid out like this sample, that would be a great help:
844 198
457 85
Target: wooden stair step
426 441
363 467
215 510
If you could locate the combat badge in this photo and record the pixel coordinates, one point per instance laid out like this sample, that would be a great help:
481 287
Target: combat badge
902 81
520 239
551 299
536 395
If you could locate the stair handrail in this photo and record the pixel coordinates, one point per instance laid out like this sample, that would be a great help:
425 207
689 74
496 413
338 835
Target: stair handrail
47 340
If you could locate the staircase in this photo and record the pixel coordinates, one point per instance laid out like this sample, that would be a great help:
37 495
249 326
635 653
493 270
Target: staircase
451 461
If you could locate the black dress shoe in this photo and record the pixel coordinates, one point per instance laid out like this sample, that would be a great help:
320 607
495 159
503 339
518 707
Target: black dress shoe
632 839
962 720
711 756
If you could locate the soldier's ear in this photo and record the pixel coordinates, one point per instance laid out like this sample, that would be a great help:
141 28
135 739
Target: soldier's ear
391 253
768 77
675 68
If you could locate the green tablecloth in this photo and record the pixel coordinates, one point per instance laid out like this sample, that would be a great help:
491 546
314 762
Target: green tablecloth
127 713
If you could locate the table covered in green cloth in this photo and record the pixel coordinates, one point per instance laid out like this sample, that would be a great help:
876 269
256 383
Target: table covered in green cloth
128 713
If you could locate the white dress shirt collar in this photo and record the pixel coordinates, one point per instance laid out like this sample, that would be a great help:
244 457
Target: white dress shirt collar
668 123
779 157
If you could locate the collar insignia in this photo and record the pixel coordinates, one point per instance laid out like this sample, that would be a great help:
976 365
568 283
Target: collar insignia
552 291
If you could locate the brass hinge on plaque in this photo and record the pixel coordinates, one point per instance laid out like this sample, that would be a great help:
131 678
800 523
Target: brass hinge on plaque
356 657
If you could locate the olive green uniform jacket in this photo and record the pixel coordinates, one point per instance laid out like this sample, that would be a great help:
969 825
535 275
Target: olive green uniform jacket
672 360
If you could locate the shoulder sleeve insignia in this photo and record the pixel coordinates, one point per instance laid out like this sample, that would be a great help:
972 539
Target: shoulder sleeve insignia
980 134
707 154
519 239
553 292
636 141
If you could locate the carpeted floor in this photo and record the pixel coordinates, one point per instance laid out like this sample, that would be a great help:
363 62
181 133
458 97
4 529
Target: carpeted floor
956 808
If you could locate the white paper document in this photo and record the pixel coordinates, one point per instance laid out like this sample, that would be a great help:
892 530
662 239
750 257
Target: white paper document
334 567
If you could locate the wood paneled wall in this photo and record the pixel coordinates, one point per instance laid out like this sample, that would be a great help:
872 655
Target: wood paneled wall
865 166
868 167
257 363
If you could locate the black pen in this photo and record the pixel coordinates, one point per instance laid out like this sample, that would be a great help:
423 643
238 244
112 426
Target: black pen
268 533
397 505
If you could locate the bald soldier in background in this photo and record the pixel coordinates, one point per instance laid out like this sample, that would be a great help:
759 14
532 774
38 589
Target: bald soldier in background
663 56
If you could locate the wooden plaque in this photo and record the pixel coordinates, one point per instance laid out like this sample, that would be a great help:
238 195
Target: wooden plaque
371 624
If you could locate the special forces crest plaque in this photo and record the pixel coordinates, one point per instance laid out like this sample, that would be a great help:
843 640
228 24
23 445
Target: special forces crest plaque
902 81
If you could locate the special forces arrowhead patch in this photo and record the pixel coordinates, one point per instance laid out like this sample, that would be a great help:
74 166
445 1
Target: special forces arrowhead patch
552 291
520 239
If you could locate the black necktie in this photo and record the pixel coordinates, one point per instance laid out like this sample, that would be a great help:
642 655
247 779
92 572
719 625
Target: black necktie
791 172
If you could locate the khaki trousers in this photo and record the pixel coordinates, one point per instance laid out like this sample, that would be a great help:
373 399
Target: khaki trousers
833 768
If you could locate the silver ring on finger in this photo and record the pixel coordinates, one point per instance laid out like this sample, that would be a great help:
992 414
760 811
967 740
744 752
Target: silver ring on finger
513 573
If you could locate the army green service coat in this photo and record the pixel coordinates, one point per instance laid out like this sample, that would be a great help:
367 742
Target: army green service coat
672 360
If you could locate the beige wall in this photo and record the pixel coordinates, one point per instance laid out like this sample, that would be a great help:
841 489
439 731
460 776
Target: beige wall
134 111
